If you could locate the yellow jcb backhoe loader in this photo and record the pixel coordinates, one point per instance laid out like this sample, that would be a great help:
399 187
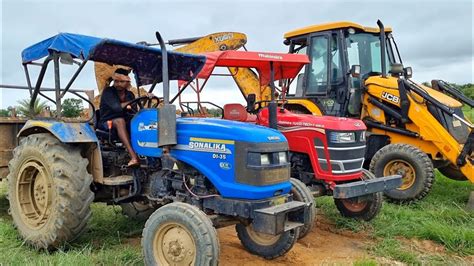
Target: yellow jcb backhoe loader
412 128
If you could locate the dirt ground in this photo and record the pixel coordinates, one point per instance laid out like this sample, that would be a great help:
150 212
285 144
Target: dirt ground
321 246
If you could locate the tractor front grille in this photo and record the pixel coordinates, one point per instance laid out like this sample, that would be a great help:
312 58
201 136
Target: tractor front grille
344 158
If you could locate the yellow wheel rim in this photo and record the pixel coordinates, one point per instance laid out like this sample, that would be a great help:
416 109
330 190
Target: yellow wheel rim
403 168
34 195
173 244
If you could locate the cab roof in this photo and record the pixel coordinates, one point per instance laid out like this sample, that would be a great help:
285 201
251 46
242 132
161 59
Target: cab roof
332 26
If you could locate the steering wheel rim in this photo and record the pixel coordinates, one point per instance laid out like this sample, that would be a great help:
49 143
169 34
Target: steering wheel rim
146 100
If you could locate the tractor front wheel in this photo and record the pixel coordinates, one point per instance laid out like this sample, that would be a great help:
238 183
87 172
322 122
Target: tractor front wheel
265 245
412 164
364 207
49 191
180 234
302 193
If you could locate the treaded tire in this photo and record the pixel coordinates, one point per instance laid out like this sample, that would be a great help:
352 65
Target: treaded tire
136 210
184 217
46 162
452 172
419 184
276 247
301 193
367 211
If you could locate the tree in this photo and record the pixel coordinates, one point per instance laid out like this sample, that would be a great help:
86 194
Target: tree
4 113
24 108
71 107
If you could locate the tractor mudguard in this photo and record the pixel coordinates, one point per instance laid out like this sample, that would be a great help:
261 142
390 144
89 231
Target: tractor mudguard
65 132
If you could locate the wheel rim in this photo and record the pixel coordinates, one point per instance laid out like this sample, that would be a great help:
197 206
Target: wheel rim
34 196
173 244
261 238
403 168
354 205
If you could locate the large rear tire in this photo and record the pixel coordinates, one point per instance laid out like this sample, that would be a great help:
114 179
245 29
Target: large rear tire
301 193
264 245
452 172
180 234
364 207
412 164
49 191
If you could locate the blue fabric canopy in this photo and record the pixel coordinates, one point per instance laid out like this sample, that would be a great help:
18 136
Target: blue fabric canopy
144 60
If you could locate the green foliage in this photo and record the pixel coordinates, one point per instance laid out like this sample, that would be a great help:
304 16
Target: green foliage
4 113
24 108
71 107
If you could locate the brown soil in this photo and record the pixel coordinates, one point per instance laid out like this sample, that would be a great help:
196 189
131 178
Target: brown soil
324 245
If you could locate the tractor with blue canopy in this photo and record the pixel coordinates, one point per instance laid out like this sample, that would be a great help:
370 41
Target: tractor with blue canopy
195 174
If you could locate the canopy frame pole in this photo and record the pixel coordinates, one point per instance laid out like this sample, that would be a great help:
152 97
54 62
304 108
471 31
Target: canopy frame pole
39 81
272 107
57 84
73 78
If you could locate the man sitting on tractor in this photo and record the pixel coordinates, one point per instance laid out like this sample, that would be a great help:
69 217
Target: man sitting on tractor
114 106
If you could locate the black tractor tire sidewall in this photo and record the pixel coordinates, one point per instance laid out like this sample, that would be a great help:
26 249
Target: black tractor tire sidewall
451 172
370 211
136 211
70 185
302 193
421 163
194 220
280 247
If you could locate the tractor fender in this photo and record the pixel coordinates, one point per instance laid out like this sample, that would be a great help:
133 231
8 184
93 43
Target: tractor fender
65 132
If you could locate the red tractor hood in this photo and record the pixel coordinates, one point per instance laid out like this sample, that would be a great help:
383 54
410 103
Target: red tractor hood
287 119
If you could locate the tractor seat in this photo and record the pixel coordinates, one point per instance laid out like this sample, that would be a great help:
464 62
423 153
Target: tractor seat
237 112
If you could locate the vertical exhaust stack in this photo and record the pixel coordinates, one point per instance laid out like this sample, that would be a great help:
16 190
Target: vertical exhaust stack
272 107
382 48
167 113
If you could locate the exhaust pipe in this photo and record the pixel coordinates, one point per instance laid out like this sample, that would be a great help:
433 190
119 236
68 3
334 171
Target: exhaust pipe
382 48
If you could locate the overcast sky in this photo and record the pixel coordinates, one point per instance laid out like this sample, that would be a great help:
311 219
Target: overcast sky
434 37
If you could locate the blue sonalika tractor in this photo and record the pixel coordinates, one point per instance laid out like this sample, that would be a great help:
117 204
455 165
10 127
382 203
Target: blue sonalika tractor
198 174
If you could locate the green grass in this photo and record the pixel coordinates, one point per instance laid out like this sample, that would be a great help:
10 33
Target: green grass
468 113
105 241
440 217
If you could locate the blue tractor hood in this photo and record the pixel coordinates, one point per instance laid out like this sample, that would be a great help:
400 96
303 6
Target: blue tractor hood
210 146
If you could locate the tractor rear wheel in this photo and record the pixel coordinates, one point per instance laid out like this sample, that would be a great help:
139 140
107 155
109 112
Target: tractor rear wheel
137 210
49 191
301 193
362 208
452 172
180 234
412 164
264 245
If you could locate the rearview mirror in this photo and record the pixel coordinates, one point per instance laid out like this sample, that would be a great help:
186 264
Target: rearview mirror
408 72
355 71
251 98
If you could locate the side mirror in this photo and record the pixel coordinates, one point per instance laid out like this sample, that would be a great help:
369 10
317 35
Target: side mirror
251 98
355 71
408 72
397 70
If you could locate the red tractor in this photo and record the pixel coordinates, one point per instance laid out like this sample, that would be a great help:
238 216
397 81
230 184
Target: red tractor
326 153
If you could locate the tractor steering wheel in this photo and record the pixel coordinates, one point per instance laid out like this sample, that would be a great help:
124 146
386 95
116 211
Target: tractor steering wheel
145 100
258 106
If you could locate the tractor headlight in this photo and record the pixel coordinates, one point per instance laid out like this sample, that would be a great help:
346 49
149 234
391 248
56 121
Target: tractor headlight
362 136
283 157
264 159
342 137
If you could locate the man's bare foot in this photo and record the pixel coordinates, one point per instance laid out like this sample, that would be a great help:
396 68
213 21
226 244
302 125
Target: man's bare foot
133 163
